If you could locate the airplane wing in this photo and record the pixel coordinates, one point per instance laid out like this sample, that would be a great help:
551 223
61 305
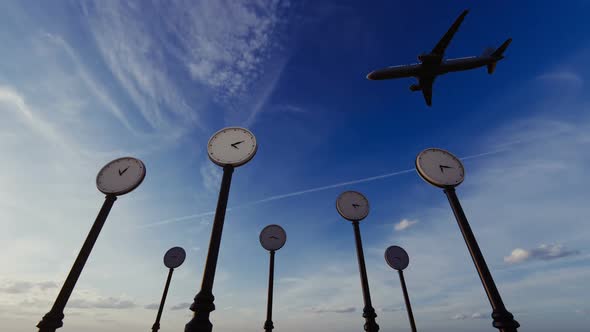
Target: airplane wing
442 45
426 85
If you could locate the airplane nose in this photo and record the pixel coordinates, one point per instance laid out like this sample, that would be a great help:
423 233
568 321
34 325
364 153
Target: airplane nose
371 75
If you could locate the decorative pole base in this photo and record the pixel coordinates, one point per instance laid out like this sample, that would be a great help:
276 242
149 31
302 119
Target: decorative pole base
504 321
370 315
202 307
268 326
51 322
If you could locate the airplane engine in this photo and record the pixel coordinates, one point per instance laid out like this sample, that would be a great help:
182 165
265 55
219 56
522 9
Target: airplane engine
415 87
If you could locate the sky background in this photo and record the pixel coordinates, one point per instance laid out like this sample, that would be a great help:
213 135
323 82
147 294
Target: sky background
83 83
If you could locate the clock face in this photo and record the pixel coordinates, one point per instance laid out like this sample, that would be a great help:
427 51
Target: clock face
440 168
174 257
273 237
120 176
397 257
232 146
352 206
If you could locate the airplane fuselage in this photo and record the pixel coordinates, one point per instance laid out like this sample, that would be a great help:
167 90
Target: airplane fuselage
427 69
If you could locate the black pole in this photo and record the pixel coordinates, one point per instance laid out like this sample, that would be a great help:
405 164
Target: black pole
156 325
203 304
407 299
503 320
54 318
268 326
368 311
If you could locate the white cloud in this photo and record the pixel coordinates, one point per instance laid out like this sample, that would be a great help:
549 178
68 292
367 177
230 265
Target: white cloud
337 310
518 255
405 224
543 252
563 77
101 303
152 306
181 306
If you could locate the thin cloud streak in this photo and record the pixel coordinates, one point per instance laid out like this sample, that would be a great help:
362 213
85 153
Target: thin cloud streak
308 191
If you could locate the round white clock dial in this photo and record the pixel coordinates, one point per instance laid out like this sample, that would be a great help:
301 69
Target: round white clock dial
440 168
352 206
273 237
174 257
233 146
120 176
397 257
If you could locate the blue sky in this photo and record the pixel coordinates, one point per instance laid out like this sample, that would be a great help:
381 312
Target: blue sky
82 83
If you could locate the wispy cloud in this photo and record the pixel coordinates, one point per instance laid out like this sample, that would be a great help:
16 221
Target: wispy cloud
20 287
405 224
543 252
343 310
181 306
101 303
152 306
463 316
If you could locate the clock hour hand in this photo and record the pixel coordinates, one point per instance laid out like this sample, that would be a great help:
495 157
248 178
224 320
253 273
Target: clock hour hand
355 205
236 143
273 237
442 168
123 172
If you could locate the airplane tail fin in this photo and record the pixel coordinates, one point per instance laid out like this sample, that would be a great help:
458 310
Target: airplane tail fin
498 54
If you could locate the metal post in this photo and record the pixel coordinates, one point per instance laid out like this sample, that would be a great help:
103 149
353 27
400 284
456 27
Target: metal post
368 311
503 320
407 299
156 325
268 326
54 318
203 304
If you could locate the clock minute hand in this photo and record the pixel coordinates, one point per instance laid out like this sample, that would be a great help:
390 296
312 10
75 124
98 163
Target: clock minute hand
236 143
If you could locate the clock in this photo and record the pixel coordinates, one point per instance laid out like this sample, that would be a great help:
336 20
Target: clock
273 237
440 168
174 257
120 176
232 146
397 258
352 206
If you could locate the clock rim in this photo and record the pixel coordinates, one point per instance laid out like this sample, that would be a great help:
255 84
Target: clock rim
127 190
166 254
237 164
426 178
262 231
342 214
389 263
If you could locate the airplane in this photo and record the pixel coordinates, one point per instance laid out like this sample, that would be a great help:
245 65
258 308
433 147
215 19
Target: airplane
432 64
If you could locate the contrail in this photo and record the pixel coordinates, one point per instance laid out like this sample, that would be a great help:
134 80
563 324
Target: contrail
312 190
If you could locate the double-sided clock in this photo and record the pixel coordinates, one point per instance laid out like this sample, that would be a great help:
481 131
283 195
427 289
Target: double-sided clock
232 146
174 257
273 237
397 258
352 206
440 168
120 176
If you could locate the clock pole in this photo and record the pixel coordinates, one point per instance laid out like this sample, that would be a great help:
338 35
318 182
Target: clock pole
203 302
503 319
156 325
268 326
54 318
368 311
407 300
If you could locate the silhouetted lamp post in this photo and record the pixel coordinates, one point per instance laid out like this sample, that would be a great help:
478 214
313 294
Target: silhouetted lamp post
229 148
272 238
442 169
173 258
397 258
116 178
354 207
